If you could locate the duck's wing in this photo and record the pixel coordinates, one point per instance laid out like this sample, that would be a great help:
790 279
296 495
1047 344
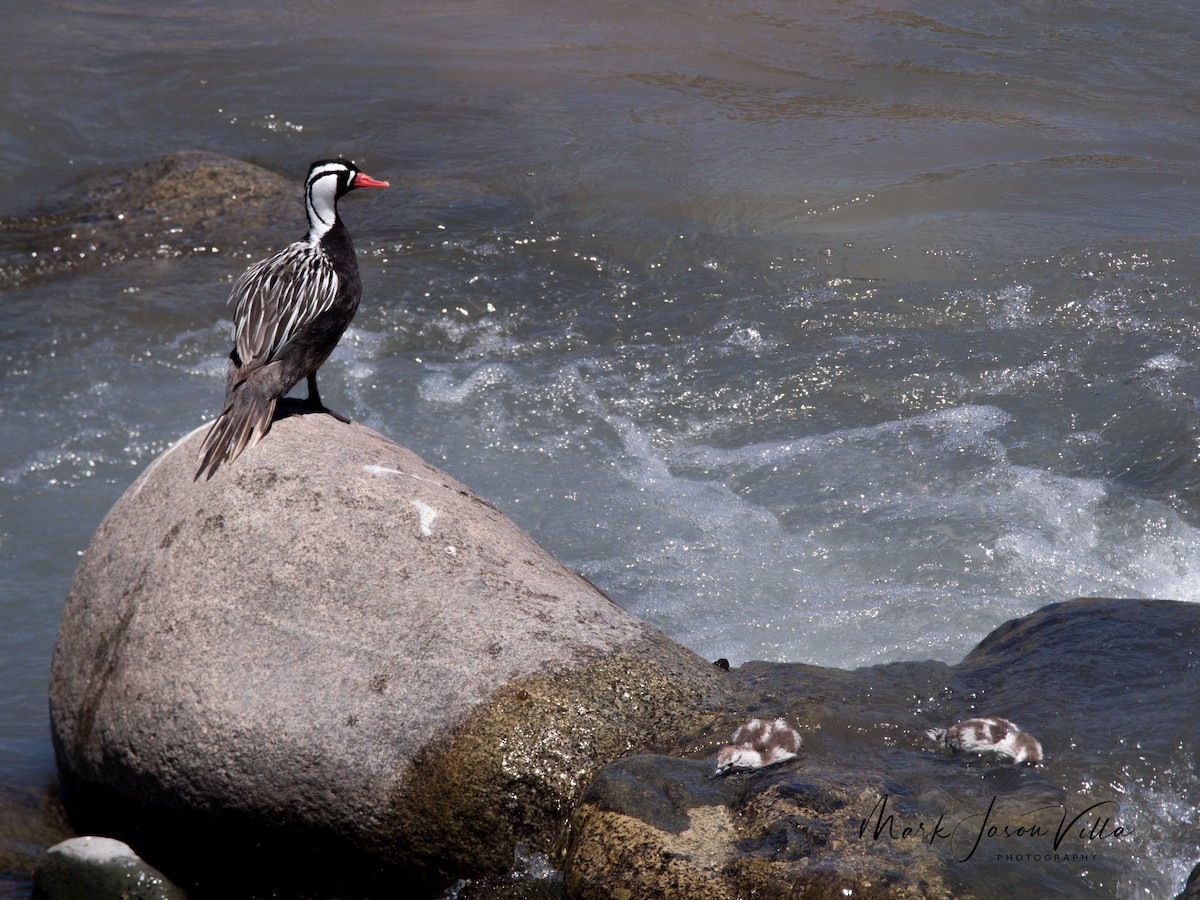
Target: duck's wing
277 298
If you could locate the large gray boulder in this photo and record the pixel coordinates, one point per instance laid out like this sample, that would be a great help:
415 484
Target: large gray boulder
332 648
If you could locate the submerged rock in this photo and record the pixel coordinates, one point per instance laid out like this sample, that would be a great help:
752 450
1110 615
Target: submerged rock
334 651
182 203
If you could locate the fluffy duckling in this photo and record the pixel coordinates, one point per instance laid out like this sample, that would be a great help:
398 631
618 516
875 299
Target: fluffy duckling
990 734
758 743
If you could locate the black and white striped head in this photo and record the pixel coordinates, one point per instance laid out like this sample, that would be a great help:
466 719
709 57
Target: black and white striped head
328 180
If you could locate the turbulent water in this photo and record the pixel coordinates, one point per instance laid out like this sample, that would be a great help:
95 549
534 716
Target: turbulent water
834 332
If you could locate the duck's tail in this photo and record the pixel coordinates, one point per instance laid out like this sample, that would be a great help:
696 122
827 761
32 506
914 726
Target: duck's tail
243 422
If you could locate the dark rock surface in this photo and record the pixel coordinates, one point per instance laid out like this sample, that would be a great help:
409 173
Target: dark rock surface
658 826
872 809
334 651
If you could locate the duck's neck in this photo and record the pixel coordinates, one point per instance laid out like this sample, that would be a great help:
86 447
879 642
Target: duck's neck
321 206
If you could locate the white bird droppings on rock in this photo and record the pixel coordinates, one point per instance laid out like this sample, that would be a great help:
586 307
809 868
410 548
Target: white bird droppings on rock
427 514
384 470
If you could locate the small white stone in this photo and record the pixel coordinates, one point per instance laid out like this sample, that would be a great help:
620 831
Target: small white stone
95 849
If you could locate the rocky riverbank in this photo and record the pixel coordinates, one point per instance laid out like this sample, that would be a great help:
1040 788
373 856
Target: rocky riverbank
873 808
334 651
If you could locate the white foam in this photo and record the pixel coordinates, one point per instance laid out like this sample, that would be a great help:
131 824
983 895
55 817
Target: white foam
963 426
1166 362
907 539
442 387
1015 302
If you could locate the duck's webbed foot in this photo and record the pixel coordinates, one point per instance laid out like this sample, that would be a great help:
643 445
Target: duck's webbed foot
314 404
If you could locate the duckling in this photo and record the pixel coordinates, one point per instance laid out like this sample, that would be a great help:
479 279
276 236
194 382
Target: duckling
990 734
758 743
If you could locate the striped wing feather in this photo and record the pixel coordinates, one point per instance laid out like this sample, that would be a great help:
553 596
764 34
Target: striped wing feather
277 298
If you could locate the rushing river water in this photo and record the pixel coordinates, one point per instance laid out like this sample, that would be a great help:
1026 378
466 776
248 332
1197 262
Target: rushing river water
837 331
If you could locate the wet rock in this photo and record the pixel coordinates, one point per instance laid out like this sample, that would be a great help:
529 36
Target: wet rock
333 651
182 203
658 826
99 868
532 877
1191 890
872 808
